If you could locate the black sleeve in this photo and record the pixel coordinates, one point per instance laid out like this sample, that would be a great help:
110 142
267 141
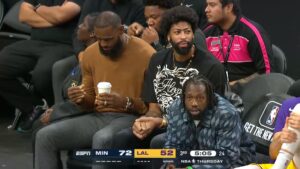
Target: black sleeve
148 93
260 49
217 77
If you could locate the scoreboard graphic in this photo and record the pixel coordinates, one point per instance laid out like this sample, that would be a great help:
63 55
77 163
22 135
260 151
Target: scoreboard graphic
145 156
155 153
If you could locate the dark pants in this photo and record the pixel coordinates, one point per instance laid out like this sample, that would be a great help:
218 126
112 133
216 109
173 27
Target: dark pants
18 60
95 130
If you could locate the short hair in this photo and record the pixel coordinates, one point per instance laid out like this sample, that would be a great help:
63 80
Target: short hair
91 19
165 4
178 14
108 18
236 6
209 89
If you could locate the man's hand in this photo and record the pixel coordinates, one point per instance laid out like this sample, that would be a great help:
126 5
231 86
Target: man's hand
287 136
244 80
28 15
294 121
113 100
76 94
135 29
150 35
144 126
59 14
45 118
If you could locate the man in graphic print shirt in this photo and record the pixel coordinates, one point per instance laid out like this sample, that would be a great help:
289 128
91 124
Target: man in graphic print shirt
167 71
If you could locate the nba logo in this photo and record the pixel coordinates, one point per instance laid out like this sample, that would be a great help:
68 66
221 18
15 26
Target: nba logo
272 116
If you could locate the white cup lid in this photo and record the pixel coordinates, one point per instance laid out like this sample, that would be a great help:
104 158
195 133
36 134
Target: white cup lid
104 85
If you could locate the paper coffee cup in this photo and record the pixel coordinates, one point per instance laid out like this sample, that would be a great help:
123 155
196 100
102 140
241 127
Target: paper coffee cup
104 87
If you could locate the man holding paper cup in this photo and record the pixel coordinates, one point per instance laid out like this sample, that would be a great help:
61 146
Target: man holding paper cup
113 73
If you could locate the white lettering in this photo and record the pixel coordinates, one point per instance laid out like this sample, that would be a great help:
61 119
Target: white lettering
83 153
258 132
104 153
249 127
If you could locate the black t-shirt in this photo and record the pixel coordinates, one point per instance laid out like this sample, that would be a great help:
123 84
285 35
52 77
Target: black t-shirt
60 33
164 78
129 11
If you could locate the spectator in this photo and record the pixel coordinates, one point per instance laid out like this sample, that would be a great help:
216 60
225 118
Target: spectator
52 25
239 43
129 10
286 117
62 68
110 59
203 120
154 9
66 108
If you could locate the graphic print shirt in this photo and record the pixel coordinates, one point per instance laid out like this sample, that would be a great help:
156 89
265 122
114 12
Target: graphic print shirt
165 76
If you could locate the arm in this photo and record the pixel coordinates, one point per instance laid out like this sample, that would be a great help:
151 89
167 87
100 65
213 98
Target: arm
285 136
28 16
171 131
144 126
148 93
122 103
199 39
135 29
154 110
244 80
216 76
88 99
228 134
275 146
260 50
152 119
59 14
279 125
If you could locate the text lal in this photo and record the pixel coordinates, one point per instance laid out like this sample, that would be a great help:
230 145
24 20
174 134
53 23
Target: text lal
142 152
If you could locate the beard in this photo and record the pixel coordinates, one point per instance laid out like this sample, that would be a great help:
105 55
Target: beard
182 50
115 50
